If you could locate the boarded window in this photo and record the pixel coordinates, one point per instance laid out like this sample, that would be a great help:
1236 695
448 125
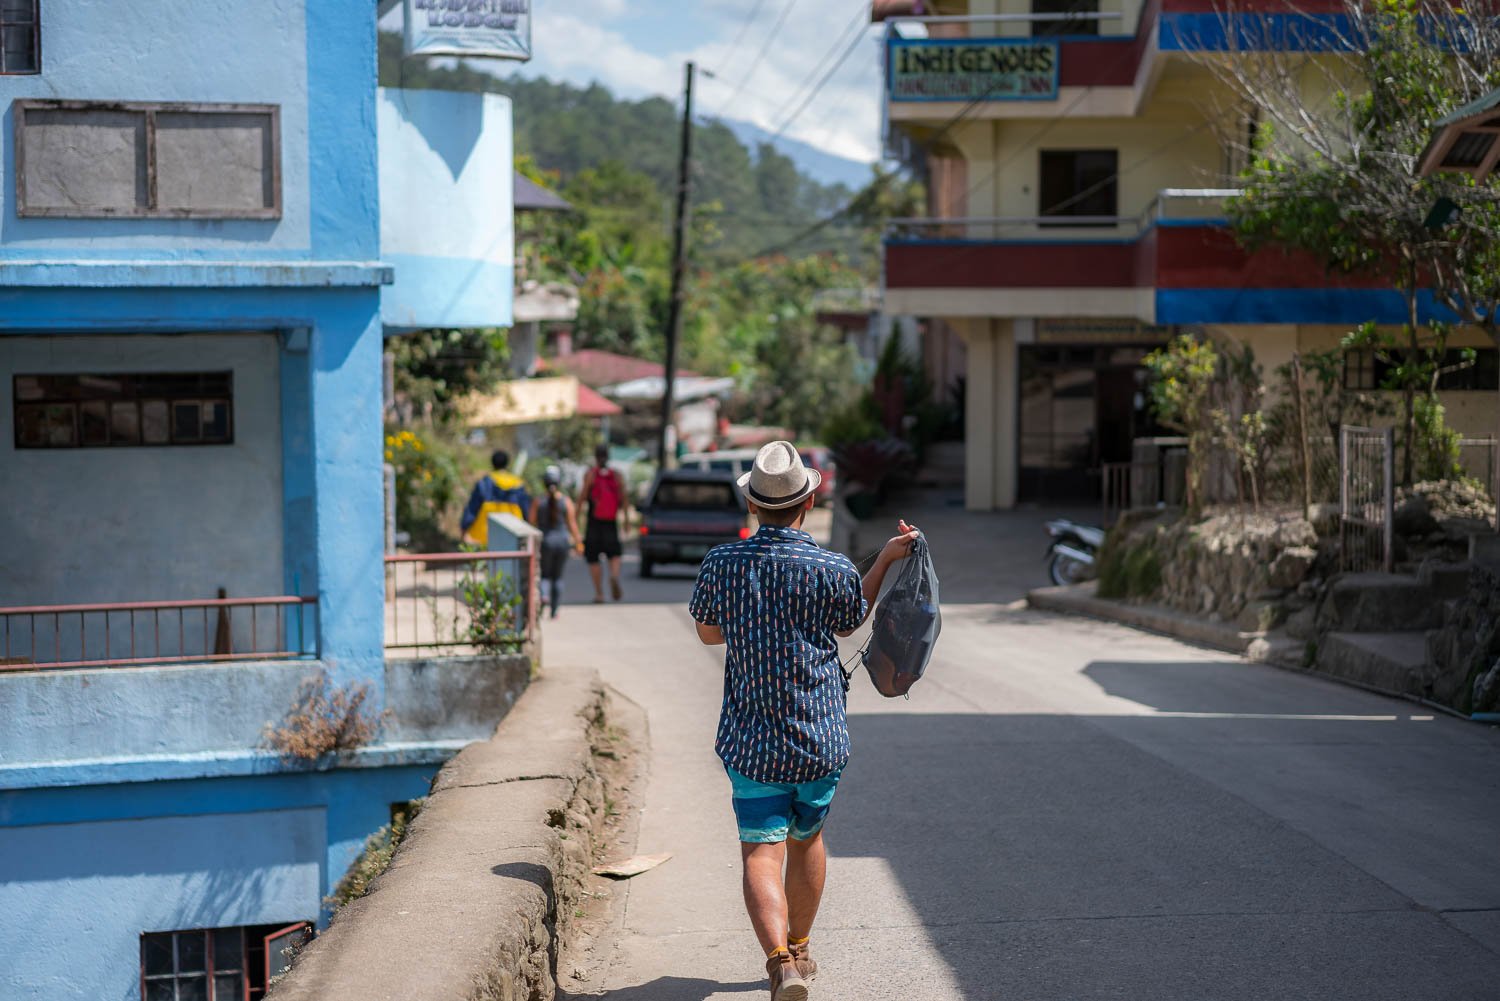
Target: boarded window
20 37
124 409
89 160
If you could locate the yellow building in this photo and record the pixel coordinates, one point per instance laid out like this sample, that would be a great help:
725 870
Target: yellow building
1078 160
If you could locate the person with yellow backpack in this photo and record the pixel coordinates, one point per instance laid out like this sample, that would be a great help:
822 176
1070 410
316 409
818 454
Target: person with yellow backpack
500 492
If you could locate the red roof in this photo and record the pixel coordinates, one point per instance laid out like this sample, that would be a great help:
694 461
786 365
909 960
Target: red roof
606 368
591 404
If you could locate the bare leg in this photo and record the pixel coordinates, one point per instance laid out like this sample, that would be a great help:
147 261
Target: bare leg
596 571
765 897
806 869
614 575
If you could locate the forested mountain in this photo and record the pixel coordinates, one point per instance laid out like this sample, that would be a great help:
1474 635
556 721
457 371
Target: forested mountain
753 197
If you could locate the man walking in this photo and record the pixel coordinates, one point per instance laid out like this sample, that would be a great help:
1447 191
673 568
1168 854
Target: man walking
604 492
500 492
777 601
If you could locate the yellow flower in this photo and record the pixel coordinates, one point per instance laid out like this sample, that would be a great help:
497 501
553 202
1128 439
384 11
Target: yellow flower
389 455
417 445
390 440
426 477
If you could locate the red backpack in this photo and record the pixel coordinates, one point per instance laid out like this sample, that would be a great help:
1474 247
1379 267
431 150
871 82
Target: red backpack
605 495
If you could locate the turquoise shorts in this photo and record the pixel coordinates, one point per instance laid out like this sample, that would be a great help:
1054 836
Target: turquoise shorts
767 812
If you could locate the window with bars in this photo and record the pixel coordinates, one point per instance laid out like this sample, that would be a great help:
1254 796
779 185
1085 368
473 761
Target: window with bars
1364 370
123 409
20 37
217 964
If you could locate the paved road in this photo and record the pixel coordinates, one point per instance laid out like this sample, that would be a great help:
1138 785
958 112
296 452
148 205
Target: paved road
1067 811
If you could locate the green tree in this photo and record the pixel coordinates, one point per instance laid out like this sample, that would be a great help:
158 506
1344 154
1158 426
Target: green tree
1339 177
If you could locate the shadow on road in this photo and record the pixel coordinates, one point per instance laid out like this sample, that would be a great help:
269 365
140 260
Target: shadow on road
672 989
1045 859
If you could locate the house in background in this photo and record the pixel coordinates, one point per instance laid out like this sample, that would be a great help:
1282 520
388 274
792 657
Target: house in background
192 284
1076 185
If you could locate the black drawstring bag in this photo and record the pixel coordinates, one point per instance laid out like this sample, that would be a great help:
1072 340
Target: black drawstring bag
907 623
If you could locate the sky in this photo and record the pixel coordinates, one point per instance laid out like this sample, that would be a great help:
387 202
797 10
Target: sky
637 48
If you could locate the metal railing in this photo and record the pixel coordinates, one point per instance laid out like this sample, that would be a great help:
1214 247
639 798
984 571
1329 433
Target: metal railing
970 25
1180 205
1367 496
123 634
462 603
1480 459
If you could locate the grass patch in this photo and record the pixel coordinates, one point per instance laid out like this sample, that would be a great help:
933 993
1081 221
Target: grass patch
375 857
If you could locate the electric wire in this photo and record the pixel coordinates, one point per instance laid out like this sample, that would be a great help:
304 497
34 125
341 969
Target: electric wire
761 54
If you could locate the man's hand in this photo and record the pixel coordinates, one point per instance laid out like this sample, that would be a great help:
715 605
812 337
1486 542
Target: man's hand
899 547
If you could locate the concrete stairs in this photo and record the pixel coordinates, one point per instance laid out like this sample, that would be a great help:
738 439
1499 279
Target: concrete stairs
1374 626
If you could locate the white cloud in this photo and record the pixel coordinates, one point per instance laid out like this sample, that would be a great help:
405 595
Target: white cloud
582 41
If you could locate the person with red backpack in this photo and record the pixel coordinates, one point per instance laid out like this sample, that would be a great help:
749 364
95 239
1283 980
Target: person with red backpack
604 492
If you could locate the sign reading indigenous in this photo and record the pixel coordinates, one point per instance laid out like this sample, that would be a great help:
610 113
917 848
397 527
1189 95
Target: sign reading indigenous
496 29
956 69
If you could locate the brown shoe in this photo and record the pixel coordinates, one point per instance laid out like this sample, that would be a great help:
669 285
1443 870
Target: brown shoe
807 967
786 983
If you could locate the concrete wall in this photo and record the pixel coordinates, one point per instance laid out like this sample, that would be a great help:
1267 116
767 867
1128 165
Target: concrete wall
174 50
446 208
145 523
83 872
316 61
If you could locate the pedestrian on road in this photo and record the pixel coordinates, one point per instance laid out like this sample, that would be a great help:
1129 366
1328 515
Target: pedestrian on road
500 492
777 600
604 492
556 516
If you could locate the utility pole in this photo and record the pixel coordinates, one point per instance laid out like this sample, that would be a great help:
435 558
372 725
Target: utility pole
679 265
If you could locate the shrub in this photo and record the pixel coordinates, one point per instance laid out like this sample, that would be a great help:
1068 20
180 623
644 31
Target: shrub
324 719
1437 455
428 481
494 601
1128 568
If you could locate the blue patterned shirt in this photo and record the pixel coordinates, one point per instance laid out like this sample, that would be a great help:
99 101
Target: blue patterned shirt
779 599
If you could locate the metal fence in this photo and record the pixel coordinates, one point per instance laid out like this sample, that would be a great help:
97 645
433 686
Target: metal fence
1367 498
122 634
1480 459
461 603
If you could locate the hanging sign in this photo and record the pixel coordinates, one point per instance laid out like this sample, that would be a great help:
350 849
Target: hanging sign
485 29
957 69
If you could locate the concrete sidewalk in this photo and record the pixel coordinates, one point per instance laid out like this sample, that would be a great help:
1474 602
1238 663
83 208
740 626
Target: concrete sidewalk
1072 810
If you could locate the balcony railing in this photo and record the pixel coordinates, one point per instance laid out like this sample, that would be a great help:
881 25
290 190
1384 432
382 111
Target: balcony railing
123 634
1171 206
461 603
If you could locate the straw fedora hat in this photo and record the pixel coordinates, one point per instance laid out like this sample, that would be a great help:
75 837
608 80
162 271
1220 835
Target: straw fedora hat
779 479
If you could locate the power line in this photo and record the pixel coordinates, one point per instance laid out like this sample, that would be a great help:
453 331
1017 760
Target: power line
739 36
760 55
848 51
853 26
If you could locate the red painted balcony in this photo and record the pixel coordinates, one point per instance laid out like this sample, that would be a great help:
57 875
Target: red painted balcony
1178 262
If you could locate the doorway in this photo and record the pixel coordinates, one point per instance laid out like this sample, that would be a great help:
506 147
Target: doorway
1082 405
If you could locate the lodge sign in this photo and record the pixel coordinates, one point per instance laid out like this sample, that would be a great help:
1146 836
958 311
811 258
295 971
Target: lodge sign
495 29
957 69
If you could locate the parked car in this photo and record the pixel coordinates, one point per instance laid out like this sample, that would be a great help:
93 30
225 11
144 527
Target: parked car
738 461
687 513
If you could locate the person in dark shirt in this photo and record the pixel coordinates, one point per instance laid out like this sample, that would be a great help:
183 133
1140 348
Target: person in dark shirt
777 601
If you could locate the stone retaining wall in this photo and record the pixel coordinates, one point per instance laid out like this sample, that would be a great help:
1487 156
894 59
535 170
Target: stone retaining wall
477 897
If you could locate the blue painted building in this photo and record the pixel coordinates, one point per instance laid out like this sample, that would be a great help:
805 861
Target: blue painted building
191 282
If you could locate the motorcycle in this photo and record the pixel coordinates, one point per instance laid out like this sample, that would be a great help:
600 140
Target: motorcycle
1073 551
